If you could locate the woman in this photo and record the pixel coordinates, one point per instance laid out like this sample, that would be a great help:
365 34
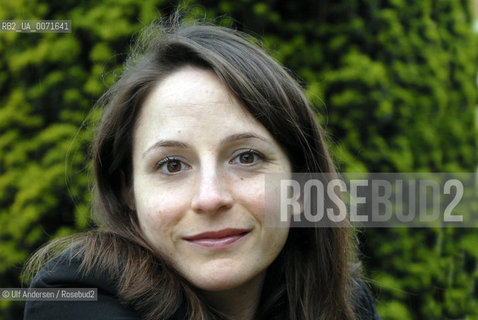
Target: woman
198 118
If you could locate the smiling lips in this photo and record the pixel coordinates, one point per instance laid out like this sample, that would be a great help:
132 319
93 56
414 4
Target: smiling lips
217 239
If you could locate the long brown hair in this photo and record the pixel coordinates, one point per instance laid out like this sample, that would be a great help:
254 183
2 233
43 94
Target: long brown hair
312 278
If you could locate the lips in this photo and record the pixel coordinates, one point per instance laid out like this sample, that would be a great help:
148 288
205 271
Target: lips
218 239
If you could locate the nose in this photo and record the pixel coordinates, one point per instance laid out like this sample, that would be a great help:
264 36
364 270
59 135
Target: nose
212 195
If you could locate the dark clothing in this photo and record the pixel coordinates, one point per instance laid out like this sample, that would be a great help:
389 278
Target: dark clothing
63 272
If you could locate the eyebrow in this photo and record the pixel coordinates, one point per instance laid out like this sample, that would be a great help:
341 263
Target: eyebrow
184 145
242 136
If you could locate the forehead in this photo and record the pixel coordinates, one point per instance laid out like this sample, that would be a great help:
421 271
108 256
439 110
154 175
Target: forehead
193 98
189 85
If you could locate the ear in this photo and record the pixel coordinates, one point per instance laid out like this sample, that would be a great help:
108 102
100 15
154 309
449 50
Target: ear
127 192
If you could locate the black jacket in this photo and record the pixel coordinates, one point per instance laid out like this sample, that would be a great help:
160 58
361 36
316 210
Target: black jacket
63 272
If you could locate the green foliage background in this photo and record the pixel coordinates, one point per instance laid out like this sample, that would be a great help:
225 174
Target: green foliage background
394 81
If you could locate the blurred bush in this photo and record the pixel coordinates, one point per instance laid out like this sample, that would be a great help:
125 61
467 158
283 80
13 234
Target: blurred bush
394 82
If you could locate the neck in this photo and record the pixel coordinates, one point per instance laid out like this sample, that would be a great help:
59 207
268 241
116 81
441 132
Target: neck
238 303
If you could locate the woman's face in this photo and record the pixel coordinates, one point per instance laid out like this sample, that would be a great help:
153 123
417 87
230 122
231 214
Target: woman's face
199 161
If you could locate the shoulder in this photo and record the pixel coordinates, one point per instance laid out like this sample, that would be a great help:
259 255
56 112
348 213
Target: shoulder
364 303
63 271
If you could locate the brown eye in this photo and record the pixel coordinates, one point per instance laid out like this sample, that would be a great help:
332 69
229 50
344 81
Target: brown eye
249 157
171 166
246 158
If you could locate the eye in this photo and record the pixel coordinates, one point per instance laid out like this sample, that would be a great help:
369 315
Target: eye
248 157
171 165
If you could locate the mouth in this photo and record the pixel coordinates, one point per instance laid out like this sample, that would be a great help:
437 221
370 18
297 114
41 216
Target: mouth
218 239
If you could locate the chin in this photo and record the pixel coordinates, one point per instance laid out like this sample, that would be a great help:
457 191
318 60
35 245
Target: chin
224 274
219 282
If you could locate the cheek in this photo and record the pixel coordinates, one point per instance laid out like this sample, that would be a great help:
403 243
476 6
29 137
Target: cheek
251 194
158 214
273 236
